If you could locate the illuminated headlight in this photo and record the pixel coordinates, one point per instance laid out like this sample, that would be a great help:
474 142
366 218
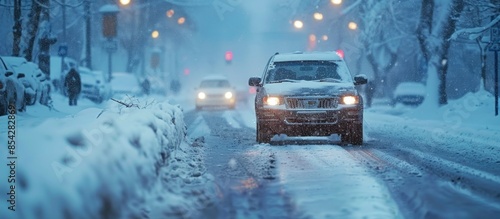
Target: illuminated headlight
349 100
228 95
202 95
272 101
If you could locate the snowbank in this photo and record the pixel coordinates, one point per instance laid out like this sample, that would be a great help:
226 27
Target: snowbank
110 163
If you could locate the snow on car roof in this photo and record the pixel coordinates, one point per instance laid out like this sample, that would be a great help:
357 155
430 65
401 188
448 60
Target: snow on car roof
14 60
307 56
410 88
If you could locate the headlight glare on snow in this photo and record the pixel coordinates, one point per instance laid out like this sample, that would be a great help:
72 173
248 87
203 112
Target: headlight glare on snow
202 95
349 100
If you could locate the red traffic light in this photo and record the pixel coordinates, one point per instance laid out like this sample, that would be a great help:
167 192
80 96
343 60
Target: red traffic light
228 56
340 53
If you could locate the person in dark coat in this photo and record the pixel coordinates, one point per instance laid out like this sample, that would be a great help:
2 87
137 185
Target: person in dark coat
369 92
73 85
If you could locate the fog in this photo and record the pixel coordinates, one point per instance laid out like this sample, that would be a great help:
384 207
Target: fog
251 30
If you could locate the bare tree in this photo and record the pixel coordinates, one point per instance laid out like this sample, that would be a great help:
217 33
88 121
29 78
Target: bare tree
32 26
17 28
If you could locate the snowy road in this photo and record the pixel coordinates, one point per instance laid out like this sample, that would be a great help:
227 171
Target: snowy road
400 172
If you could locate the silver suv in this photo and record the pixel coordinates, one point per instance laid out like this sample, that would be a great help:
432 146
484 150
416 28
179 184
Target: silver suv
308 94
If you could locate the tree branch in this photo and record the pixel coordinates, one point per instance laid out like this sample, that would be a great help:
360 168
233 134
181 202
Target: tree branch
475 30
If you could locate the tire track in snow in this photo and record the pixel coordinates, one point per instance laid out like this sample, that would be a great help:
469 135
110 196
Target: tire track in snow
240 171
429 185
326 182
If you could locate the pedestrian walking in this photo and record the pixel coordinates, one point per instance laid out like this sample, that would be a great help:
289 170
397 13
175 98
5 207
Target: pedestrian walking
73 85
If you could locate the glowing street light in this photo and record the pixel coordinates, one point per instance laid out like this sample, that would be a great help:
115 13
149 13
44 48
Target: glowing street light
170 13
181 20
318 16
298 24
336 2
324 37
124 2
155 34
352 25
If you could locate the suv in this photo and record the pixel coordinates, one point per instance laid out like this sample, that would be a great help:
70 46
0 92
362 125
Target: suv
308 94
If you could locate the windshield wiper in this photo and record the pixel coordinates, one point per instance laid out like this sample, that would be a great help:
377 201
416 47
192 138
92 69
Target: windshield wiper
283 80
329 80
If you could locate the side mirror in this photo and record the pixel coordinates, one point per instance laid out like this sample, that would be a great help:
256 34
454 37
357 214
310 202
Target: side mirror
360 79
21 75
254 81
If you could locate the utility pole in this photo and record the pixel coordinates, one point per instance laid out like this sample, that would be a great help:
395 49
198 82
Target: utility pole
88 52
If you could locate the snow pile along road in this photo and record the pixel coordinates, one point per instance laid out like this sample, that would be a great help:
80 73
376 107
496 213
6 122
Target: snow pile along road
114 163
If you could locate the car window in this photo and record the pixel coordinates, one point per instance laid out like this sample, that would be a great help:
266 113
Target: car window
307 70
214 84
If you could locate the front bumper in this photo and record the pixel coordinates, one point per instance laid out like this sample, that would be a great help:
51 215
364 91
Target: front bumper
218 100
311 122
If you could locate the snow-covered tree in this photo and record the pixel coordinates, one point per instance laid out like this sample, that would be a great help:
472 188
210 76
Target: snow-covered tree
438 21
481 16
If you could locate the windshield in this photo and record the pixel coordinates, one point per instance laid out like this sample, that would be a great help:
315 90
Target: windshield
322 71
214 84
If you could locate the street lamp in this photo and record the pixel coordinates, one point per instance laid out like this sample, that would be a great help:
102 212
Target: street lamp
336 2
318 16
352 25
109 30
170 13
181 20
155 34
298 24
124 2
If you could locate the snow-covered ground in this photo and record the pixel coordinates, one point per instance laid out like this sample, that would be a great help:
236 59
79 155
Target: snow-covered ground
103 161
110 161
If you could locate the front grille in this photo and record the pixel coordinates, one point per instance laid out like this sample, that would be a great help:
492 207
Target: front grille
311 103
215 96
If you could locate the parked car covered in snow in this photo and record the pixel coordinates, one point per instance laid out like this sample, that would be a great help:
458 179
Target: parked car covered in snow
409 93
215 90
11 89
31 85
94 86
124 84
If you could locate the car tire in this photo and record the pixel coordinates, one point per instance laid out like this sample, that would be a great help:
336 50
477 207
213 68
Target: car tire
99 100
263 133
30 100
354 134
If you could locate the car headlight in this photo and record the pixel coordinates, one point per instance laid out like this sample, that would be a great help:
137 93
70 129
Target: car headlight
350 100
228 95
272 101
202 95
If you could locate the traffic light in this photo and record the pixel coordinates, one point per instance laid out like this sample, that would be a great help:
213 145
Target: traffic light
228 56
340 53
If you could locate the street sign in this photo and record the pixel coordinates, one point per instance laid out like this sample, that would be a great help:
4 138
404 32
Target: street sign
494 47
63 50
111 46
